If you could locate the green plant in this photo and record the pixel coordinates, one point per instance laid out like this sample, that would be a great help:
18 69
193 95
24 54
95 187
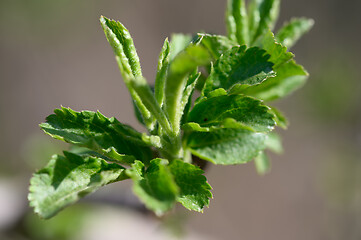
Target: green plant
227 124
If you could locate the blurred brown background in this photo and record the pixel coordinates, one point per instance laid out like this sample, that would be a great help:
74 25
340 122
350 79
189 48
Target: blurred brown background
54 53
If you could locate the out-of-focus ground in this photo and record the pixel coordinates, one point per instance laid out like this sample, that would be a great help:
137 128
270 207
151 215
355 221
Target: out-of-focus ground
54 53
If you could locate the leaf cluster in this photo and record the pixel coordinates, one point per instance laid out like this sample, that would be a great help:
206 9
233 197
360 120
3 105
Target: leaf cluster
233 77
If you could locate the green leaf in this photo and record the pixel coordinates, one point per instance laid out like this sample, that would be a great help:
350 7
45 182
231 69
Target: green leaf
106 136
215 93
162 70
216 44
280 118
270 18
253 17
185 63
225 123
237 21
289 34
247 110
227 146
240 66
128 62
263 14
262 163
192 126
86 152
278 53
274 143
122 43
68 178
139 115
290 77
187 95
178 43
189 59
194 191
155 186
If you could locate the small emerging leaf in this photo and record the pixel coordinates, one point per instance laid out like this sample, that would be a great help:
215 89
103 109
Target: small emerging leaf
185 63
128 62
264 14
68 178
262 163
187 95
122 43
274 143
237 21
162 70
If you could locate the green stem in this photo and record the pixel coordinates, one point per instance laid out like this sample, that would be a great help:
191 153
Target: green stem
147 98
